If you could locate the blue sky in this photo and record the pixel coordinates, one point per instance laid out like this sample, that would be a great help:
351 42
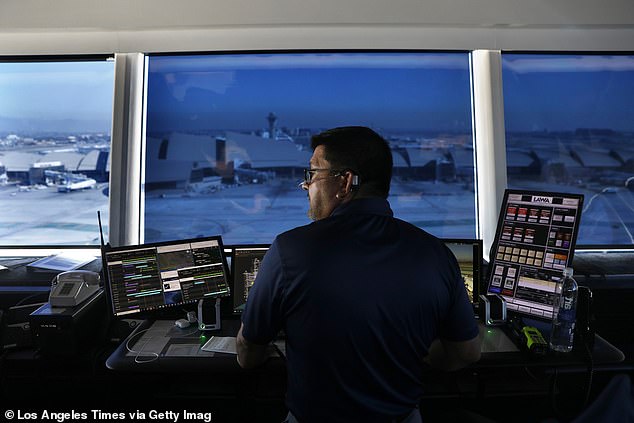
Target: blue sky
406 91
401 90
558 92
409 91
56 96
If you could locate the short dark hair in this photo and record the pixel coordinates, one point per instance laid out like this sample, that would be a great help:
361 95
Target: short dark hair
362 151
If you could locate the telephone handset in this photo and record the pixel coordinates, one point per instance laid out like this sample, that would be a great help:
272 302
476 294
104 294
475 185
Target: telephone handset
72 288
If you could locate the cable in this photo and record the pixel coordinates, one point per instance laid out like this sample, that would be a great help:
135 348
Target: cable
138 353
155 355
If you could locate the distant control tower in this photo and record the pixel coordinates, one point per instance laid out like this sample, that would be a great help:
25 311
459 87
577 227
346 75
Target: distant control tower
272 119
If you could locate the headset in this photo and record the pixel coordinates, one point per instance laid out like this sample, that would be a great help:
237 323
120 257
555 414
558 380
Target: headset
355 177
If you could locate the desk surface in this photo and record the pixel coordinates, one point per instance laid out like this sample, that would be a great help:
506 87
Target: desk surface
496 352
161 346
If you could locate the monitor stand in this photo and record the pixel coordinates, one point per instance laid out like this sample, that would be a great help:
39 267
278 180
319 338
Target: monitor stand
208 315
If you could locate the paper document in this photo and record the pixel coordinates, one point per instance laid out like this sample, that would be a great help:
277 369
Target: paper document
221 344
227 345
62 262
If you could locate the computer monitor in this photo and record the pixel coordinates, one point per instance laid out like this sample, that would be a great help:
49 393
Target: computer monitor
246 261
155 276
245 264
468 252
534 242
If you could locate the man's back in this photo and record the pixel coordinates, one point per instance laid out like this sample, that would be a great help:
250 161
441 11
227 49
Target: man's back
361 297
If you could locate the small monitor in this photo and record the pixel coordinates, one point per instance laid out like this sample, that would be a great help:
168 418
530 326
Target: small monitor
534 242
468 252
149 277
245 264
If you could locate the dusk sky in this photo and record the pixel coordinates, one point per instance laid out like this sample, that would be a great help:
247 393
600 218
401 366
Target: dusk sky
554 92
391 91
56 96
406 91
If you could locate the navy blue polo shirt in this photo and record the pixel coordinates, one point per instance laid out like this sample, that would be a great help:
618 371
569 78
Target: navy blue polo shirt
361 296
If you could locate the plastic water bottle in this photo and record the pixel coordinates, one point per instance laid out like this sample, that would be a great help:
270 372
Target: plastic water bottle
563 330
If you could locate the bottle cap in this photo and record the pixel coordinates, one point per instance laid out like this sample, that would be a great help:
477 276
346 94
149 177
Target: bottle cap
568 272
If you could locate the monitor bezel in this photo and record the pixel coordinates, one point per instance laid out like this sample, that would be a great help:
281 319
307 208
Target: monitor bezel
498 232
169 309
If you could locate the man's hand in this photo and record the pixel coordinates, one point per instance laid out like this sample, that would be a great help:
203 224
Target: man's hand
250 355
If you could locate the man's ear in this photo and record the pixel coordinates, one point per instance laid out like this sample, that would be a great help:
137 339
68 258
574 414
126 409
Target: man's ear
350 182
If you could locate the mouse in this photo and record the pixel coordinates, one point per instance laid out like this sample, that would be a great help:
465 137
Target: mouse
181 323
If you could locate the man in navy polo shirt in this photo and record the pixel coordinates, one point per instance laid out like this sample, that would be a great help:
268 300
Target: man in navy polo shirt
365 299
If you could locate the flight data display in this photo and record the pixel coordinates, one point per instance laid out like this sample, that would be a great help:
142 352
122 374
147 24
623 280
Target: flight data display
534 242
154 276
245 265
468 253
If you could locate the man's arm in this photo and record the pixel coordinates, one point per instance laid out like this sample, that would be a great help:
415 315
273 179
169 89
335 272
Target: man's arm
451 355
250 355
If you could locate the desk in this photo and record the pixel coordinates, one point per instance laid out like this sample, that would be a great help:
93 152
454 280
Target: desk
18 283
181 348
499 351
176 371
18 273
503 371
178 350
173 349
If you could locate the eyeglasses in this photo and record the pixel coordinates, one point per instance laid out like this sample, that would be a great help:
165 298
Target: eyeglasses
310 173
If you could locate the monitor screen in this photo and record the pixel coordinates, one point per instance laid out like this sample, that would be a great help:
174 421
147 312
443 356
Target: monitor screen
166 274
468 252
246 262
244 268
534 242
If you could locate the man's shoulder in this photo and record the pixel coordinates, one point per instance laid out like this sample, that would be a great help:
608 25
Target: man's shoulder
415 231
299 234
296 232
330 223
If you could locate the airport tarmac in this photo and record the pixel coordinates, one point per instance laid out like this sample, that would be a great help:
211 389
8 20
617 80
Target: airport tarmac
256 213
41 215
